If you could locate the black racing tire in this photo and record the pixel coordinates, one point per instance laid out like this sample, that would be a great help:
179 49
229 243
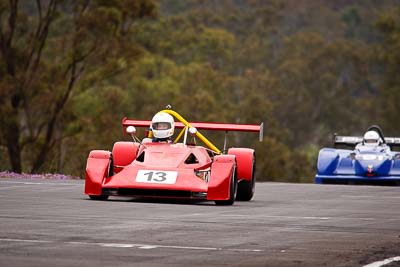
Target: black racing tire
101 197
110 171
233 190
246 189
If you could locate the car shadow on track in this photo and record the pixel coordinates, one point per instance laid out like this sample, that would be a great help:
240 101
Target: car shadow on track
159 201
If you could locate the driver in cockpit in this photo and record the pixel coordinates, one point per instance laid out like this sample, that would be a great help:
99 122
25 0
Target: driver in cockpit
162 127
372 142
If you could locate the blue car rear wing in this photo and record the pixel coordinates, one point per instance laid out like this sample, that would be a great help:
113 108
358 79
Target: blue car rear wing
347 140
392 141
354 140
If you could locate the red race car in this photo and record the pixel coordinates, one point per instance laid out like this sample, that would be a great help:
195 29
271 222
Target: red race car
160 167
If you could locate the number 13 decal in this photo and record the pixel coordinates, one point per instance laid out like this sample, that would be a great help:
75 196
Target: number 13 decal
156 176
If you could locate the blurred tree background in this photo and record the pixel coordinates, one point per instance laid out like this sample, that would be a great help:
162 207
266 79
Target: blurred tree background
71 70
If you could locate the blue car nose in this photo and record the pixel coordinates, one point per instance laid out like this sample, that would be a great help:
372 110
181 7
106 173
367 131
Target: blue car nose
372 167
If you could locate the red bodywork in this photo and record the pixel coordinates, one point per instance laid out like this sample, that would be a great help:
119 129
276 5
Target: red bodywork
163 157
168 170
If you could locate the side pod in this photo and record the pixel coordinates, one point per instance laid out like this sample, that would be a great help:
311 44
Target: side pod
96 170
220 180
328 160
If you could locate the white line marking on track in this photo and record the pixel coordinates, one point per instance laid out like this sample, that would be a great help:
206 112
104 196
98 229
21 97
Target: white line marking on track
301 217
316 218
366 196
281 216
383 262
38 183
211 215
113 245
264 216
139 246
189 248
147 247
10 187
25 240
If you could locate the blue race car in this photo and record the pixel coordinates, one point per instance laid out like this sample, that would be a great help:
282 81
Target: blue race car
371 162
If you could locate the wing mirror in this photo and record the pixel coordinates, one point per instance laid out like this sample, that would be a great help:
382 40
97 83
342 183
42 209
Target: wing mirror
192 131
131 130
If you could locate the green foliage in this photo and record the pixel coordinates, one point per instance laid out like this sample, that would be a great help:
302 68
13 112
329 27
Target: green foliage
388 54
328 88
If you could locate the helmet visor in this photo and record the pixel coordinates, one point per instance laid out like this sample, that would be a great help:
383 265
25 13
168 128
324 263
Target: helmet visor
371 141
161 126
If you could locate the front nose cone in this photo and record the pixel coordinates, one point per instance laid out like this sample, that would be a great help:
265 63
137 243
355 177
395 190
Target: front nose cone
372 167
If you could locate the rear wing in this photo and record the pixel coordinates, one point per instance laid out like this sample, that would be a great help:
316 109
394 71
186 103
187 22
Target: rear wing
347 140
185 125
392 141
354 140
227 127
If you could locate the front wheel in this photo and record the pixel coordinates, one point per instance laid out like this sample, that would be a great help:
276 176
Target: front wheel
232 190
101 197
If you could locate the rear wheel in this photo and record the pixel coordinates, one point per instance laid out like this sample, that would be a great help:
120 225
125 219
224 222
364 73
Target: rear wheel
246 189
101 197
232 190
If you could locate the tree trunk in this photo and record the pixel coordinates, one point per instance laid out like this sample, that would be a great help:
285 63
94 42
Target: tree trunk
13 146
51 125
44 150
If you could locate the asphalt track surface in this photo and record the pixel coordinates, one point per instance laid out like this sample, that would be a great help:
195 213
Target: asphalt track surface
51 223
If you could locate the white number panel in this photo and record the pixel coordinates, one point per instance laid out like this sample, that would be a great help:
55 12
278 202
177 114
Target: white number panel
156 177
